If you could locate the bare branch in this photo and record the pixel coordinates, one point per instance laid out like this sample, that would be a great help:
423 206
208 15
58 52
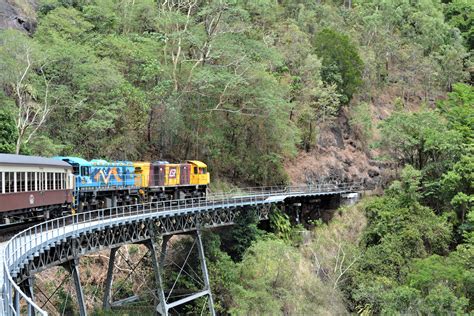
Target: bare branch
29 113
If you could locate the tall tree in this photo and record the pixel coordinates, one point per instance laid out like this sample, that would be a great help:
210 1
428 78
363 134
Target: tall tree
25 81
341 62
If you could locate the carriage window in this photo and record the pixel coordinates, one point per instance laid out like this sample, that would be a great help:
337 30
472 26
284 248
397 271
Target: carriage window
195 170
20 182
30 181
57 181
9 182
204 170
1 182
49 181
41 180
64 179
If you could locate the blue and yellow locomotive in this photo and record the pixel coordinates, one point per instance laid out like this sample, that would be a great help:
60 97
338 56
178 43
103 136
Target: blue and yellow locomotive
99 183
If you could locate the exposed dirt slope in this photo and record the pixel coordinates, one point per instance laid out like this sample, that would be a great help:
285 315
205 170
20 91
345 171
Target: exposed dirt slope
337 156
341 155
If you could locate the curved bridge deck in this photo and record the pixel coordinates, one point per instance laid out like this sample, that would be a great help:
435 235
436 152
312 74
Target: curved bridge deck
60 240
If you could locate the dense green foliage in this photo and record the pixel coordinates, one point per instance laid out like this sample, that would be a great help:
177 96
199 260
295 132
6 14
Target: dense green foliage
243 234
414 254
237 84
7 132
276 276
341 62
460 13
418 246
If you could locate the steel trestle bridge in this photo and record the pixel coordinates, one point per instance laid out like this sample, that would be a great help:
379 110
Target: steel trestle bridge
64 240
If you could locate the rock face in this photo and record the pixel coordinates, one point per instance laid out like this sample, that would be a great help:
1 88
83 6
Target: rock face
338 156
18 14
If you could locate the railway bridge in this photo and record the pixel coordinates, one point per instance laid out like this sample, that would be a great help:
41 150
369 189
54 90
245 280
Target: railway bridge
64 240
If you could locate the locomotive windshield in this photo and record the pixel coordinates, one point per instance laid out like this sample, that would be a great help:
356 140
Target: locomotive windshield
85 171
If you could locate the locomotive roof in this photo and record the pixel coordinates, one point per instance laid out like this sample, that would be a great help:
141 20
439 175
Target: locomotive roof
198 163
71 160
9 159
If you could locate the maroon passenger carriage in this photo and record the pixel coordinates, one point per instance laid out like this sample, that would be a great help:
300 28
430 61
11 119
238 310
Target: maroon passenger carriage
33 187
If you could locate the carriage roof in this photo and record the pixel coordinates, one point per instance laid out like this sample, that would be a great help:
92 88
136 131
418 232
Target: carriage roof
10 159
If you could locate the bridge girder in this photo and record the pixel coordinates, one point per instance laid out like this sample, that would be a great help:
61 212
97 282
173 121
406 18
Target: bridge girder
133 224
65 250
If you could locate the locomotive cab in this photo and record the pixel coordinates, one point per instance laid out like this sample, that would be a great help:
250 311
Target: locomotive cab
199 173
142 172
75 169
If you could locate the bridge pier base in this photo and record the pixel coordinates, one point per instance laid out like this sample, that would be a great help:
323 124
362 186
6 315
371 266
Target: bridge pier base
158 272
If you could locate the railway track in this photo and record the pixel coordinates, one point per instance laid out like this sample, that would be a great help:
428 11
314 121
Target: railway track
7 231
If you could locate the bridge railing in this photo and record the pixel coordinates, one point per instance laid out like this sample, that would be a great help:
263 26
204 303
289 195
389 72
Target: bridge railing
317 187
26 243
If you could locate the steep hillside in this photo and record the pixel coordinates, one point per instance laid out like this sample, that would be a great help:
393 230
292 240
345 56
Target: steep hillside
338 155
250 89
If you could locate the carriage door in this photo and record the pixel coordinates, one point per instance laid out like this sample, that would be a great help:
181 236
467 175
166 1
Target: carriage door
159 175
185 173
139 181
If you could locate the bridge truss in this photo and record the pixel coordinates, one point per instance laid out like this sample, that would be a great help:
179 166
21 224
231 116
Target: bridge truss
63 241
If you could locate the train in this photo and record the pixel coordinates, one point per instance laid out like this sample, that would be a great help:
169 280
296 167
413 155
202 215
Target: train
33 187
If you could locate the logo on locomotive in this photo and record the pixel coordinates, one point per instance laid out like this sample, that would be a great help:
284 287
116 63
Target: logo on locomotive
32 199
105 174
172 173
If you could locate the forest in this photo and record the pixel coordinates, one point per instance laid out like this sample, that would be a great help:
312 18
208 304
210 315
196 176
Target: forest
248 87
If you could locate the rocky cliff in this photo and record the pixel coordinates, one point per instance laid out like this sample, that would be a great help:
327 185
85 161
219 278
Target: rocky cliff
18 14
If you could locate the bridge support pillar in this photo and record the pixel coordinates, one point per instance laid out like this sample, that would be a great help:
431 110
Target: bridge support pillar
73 267
207 286
162 307
27 288
335 201
108 281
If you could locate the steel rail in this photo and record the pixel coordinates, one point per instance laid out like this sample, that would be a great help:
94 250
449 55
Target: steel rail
25 245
